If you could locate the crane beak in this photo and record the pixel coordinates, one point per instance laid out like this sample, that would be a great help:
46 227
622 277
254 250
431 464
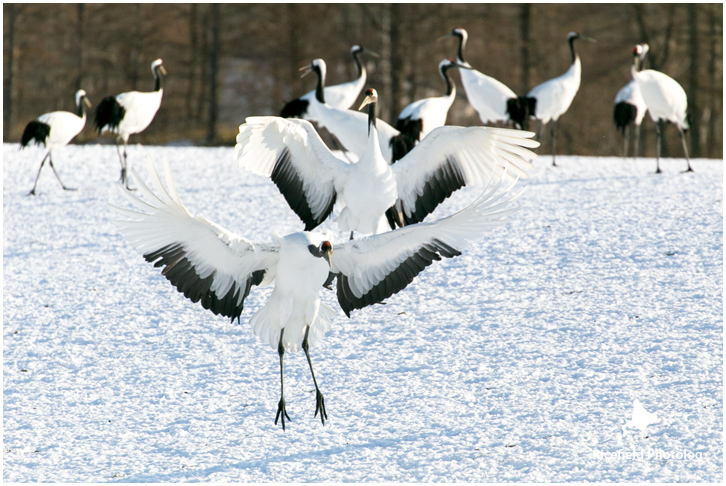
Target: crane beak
368 100
86 102
370 53
162 70
306 70
588 39
327 254
446 36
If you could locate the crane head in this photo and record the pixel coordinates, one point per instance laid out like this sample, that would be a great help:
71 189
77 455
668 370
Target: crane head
371 97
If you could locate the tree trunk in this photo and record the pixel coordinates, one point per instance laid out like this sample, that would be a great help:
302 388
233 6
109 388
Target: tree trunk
694 102
8 72
80 62
524 26
213 74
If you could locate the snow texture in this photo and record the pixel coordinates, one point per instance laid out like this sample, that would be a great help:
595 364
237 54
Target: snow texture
518 361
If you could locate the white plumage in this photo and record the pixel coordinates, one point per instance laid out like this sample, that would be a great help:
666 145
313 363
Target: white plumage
665 98
341 96
349 126
551 99
54 130
420 117
212 266
128 113
491 98
311 178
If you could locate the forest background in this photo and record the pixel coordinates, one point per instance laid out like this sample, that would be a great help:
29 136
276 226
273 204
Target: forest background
230 61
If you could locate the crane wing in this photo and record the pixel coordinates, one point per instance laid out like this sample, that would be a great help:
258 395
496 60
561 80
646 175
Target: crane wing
374 268
292 154
201 259
453 157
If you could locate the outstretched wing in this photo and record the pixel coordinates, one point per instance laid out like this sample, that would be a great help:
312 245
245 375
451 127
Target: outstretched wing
374 268
202 260
292 154
450 158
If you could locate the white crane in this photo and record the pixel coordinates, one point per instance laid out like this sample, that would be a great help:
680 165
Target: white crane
131 112
341 96
349 126
548 101
629 110
420 117
210 265
311 178
493 100
54 130
665 98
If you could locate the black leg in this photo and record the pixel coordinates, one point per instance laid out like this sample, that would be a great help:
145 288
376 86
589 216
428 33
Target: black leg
319 400
554 141
351 235
32 191
121 159
685 149
626 140
50 161
636 149
657 147
281 412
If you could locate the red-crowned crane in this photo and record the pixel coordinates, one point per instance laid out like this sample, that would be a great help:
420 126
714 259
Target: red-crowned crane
217 268
312 179
494 101
131 112
349 126
548 101
420 117
341 96
666 100
54 130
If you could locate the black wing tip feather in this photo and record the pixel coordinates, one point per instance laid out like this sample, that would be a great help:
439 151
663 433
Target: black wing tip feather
296 108
109 113
624 114
410 127
438 187
400 145
395 281
290 185
35 131
182 275
519 109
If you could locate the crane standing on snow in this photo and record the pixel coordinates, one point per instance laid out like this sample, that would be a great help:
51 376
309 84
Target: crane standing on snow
131 112
666 100
54 130
548 101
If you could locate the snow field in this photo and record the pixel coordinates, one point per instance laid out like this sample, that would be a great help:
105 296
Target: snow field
518 361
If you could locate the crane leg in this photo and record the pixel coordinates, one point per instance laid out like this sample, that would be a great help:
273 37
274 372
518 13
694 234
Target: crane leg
636 148
281 412
122 159
685 149
50 161
626 140
32 191
319 400
553 134
657 147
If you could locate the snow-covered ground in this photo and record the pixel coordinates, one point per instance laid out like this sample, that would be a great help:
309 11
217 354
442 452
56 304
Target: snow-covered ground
518 361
